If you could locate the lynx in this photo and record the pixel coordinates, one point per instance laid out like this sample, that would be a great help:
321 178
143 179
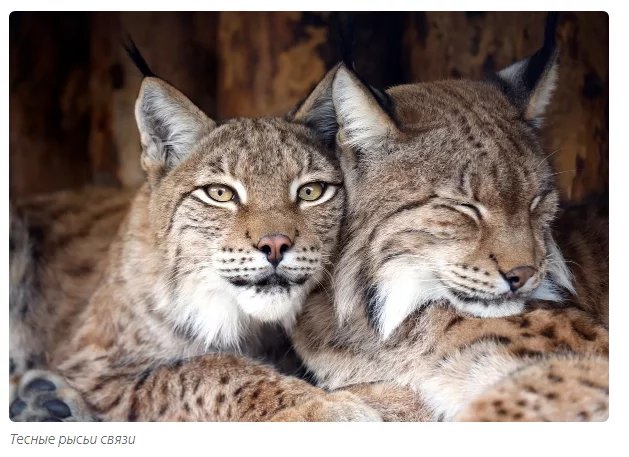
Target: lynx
450 281
132 306
422 355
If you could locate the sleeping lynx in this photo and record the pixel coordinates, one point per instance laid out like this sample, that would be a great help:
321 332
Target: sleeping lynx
447 250
216 252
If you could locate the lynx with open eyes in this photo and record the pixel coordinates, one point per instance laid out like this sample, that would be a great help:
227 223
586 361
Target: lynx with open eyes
261 236
172 303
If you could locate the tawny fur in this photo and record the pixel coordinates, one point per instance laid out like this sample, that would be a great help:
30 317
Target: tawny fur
58 253
430 361
446 193
135 300
557 389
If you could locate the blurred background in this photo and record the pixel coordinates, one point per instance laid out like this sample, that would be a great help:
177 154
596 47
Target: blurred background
72 88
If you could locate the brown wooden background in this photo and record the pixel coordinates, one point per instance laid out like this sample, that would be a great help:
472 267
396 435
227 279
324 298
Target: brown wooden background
72 88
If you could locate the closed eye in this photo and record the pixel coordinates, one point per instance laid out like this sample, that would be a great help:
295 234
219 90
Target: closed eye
467 207
535 202
544 207
470 209
461 209
542 198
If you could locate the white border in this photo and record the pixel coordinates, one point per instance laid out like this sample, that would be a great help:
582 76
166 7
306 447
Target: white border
383 439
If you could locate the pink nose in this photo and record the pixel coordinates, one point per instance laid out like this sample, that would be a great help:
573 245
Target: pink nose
519 276
274 245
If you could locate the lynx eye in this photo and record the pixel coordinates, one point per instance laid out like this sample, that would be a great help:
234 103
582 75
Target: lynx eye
220 192
469 209
311 191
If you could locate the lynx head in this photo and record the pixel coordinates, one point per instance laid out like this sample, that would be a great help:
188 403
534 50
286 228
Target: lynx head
450 194
245 214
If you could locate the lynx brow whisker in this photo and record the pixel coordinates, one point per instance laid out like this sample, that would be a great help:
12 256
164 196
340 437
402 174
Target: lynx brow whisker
561 172
547 157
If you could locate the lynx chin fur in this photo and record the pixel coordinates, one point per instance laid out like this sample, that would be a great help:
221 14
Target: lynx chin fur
234 227
449 280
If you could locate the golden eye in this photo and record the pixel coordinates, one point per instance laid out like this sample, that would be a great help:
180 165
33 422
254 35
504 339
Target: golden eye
311 191
219 192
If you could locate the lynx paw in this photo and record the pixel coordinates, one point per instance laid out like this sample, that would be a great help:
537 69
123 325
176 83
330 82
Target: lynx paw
333 407
561 390
43 396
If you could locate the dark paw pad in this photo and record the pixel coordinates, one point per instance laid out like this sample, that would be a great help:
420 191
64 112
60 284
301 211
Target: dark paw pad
44 396
40 385
16 408
57 408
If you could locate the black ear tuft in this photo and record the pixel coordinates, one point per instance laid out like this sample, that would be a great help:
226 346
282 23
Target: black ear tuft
346 37
317 109
134 53
529 83
538 63
346 34
550 33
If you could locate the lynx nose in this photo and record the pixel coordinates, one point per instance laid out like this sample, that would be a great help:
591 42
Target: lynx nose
519 276
274 245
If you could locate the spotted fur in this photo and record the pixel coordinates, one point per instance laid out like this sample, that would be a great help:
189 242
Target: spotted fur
139 301
447 192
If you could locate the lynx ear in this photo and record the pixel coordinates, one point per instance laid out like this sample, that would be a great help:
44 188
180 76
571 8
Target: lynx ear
170 125
317 110
530 83
364 123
